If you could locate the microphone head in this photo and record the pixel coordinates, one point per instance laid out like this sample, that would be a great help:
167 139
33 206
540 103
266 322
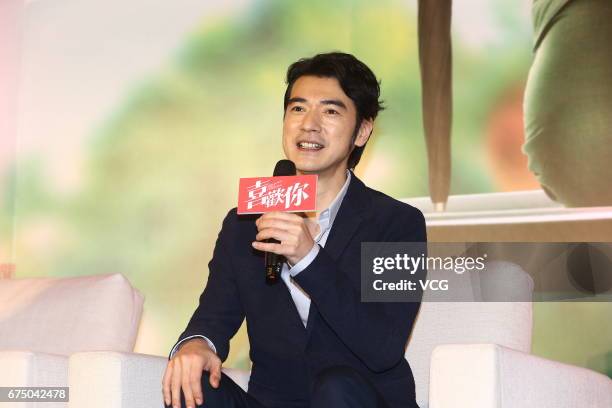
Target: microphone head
284 168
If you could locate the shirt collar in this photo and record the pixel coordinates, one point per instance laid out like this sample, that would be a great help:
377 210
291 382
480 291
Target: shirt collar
329 214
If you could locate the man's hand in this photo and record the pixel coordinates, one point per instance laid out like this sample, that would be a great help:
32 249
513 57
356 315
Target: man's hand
288 228
185 370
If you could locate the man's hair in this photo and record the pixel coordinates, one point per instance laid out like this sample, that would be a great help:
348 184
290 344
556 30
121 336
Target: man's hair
356 80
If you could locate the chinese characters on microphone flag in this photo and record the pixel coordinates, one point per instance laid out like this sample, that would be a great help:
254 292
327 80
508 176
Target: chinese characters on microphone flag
258 195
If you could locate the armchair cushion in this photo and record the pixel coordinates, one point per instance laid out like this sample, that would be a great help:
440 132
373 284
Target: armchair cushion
65 315
471 321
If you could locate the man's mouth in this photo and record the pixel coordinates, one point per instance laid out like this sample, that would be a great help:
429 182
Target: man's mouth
309 146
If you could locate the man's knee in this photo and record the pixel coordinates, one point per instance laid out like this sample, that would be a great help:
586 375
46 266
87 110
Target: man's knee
206 387
342 386
337 377
212 396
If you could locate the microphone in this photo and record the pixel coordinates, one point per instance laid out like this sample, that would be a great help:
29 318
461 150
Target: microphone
274 262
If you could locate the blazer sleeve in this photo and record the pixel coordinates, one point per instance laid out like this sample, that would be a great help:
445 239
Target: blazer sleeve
376 332
220 312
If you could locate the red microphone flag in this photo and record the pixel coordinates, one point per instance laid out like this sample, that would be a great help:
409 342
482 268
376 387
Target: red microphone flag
257 195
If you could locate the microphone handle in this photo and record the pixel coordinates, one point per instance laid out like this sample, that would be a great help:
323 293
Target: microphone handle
274 264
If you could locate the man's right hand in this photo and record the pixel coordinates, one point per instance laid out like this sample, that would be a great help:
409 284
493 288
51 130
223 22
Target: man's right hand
185 370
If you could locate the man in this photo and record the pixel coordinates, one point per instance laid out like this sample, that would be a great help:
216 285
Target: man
313 342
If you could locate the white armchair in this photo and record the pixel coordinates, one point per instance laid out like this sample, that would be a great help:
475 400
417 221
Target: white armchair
463 354
475 354
45 320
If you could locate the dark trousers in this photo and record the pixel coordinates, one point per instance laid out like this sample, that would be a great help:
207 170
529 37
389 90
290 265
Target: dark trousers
335 387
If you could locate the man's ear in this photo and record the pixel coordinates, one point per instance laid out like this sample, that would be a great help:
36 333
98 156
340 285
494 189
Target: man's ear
365 130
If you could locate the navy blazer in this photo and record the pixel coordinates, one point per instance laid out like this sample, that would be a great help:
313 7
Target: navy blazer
341 330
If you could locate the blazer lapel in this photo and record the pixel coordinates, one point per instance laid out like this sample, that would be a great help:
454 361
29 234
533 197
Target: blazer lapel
278 295
350 216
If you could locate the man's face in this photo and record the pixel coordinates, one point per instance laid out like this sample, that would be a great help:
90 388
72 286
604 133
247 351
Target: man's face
318 126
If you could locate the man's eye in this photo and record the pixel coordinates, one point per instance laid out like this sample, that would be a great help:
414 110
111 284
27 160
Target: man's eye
331 111
297 109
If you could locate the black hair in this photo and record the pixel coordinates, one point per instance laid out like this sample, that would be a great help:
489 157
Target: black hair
356 80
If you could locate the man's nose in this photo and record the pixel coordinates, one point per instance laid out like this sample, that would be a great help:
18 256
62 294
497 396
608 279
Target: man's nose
311 122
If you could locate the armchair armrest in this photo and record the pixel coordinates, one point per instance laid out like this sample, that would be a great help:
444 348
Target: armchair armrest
34 369
489 375
108 379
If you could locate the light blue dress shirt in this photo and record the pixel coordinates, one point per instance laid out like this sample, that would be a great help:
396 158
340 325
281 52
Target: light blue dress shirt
300 298
325 221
